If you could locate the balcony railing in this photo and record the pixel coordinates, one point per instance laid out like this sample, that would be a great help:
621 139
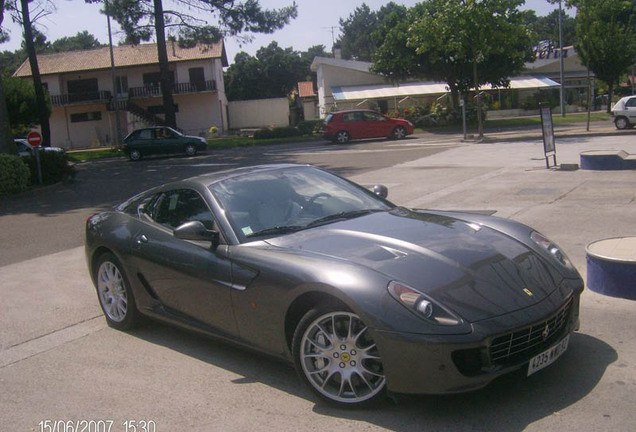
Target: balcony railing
179 88
133 92
80 98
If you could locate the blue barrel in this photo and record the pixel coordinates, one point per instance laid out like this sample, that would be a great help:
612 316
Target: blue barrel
611 267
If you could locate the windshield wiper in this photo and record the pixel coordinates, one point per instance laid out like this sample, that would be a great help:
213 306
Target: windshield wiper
342 216
276 230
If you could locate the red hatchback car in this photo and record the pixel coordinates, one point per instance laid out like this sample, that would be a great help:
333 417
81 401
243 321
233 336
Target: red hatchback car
342 126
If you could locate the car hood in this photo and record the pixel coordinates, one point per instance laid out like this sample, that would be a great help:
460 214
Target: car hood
476 271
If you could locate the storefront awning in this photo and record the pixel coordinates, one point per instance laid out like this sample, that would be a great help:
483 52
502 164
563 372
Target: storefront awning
378 91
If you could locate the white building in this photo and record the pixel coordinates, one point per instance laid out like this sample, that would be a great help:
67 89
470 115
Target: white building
80 84
346 84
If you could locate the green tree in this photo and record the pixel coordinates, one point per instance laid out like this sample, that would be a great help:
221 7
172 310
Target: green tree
359 39
465 43
22 14
274 72
6 143
141 19
22 105
546 28
606 38
81 41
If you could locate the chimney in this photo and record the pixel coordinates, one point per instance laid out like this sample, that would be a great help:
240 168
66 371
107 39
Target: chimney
337 52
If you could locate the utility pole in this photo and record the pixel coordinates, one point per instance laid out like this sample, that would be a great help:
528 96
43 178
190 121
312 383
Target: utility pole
562 98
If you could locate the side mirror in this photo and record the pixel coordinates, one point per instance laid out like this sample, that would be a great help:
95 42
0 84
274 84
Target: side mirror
381 191
196 231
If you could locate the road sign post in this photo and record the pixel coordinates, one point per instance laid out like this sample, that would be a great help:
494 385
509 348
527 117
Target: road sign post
35 139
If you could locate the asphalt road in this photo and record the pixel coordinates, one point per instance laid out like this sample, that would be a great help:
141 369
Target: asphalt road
60 364
51 219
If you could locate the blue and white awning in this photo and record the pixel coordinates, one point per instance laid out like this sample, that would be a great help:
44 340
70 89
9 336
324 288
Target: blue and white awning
378 91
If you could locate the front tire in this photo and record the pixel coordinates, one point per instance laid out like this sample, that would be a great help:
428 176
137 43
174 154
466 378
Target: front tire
399 133
114 293
190 150
621 123
335 355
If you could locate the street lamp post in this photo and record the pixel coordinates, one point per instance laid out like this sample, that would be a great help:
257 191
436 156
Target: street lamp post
114 78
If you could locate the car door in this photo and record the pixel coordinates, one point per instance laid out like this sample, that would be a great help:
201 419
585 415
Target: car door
188 278
142 141
354 124
630 108
376 125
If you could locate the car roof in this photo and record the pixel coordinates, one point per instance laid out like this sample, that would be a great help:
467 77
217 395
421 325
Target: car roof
354 110
213 177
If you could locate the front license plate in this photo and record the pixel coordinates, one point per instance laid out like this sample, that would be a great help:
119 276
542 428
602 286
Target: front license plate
548 357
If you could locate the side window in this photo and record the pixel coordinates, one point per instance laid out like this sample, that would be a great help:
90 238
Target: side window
145 134
631 103
177 207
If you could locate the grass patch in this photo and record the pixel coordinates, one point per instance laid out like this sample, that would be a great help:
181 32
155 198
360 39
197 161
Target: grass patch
85 155
536 120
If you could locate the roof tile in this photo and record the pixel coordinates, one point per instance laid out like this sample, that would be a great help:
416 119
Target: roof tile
125 56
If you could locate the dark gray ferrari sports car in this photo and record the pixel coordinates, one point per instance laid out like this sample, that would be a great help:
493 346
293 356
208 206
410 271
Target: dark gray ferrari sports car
363 296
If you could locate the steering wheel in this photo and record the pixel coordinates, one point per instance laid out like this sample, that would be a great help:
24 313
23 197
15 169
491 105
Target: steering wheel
311 201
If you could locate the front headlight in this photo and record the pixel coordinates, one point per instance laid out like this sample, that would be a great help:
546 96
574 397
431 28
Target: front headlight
421 305
552 249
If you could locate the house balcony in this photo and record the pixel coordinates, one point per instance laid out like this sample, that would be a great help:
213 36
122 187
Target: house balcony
179 88
81 98
133 93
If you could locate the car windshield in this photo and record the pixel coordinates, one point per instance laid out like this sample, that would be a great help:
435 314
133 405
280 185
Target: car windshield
277 202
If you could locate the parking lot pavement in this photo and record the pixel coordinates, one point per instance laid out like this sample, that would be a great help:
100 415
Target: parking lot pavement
60 362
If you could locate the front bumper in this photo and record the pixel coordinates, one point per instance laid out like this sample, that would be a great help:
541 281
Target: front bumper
439 364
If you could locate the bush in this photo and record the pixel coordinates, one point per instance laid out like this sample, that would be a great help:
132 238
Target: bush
14 174
309 127
55 167
277 132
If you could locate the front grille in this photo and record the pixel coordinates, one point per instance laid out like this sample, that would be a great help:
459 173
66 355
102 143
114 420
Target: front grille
521 345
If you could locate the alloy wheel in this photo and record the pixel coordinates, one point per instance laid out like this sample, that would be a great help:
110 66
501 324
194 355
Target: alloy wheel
112 291
340 360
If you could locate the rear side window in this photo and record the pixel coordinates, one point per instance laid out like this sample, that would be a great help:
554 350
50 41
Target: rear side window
631 102
145 134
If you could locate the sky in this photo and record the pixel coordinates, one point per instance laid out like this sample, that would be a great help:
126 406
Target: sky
316 24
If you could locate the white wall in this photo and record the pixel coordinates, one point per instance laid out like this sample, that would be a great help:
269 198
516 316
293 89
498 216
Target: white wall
259 113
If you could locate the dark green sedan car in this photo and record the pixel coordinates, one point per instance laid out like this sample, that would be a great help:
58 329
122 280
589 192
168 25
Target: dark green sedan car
161 140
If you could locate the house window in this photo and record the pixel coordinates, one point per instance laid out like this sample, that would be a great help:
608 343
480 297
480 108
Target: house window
82 90
121 84
197 78
87 116
152 79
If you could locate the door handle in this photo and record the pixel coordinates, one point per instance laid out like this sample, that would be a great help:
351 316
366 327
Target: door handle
142 239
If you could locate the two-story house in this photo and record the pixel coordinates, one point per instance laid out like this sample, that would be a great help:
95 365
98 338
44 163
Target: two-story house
82 91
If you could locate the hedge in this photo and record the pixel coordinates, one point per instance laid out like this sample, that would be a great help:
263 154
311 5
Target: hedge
55 167
14 174
277 132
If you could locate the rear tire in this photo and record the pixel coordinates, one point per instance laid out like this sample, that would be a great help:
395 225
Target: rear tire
342 137
134 155
621 123
114 293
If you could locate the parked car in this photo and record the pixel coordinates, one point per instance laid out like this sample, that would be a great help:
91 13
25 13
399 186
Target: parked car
25 149
361 295
160 140
342 126
624 112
